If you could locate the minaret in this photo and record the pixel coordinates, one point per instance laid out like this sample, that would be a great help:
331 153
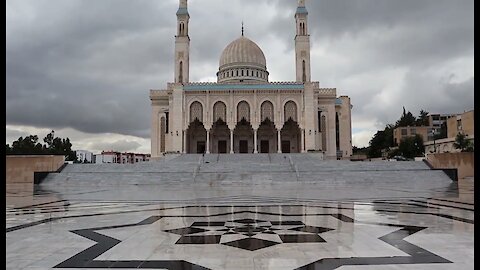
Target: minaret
302 44
182 44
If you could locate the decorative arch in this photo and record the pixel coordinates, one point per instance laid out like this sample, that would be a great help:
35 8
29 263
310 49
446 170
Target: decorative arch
266 111
243 111
196 111
219 111
290 111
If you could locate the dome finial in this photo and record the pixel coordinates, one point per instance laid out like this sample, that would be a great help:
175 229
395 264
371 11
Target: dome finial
242 28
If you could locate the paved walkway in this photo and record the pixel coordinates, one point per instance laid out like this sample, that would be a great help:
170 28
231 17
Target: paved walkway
228 212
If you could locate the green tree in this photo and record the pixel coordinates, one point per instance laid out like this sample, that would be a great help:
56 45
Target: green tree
411 147
376 144
407 119
53 146
49 139
359 151
383 139
27 146
388 135
8 149
422 119
462 143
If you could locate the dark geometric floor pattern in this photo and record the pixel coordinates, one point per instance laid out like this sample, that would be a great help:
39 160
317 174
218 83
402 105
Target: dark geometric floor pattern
248 230
249 233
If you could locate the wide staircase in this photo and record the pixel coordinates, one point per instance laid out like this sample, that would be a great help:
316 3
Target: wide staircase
227 178
221 169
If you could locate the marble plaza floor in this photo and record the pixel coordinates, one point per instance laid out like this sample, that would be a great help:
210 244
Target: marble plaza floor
65 224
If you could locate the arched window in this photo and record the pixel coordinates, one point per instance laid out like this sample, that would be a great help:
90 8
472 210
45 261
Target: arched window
237 72
180 73
290 111
266 111
196 112
219 111
182 29
243 111
304 76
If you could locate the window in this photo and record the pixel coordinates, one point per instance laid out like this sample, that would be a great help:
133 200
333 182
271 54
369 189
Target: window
290 111
413 131
196 111
243 111
404 132
266 111
219 111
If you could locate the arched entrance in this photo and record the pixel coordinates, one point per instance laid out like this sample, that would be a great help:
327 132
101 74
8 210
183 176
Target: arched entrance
220 134
196 133
243 137
290 132
267 134
243 132
220 137
196 138
290 135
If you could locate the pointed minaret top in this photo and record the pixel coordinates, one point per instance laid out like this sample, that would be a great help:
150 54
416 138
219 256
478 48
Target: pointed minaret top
242 28
182 8
301 9
183 4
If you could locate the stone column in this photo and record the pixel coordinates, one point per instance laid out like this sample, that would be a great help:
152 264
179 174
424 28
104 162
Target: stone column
208 142
279 142
185 141
231 141
302 137
255 151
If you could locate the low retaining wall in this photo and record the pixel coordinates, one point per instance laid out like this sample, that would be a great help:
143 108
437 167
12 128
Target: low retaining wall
463 162
21 169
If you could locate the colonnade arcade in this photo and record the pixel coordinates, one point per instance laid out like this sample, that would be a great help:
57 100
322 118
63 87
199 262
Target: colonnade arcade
242 136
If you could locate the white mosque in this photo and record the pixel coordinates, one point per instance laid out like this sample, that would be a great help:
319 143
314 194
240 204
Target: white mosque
243 112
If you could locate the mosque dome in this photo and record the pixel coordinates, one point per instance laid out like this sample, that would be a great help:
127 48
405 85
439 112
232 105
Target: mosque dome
242 60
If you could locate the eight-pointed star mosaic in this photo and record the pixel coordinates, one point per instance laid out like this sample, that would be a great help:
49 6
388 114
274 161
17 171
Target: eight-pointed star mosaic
249 234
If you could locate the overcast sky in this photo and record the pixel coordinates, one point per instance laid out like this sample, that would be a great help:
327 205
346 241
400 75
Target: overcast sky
84 68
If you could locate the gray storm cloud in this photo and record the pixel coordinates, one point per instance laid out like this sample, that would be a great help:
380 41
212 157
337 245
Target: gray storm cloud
88 65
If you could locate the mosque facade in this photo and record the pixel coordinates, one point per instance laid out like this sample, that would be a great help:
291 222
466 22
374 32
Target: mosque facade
243 112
